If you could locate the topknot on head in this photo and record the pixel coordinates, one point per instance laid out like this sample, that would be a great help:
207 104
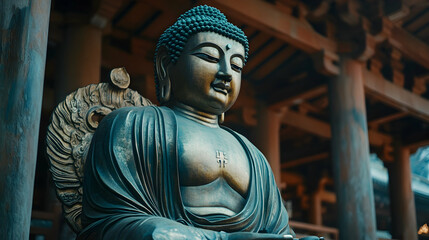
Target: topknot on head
199 19
204 10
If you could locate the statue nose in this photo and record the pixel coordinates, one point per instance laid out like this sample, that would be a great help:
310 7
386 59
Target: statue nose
224 76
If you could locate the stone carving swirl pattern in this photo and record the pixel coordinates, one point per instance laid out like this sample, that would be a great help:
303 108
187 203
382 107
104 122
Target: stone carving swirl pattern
69 135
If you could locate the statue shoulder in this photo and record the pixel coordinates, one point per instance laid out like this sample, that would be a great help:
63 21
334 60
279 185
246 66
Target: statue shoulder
147 114
148 110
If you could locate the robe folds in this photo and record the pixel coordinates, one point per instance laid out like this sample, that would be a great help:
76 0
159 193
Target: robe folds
132 188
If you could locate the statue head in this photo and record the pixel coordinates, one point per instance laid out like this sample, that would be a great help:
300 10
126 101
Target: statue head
200 45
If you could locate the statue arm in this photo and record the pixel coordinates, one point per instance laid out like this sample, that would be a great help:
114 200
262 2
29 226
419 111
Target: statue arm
146 227
160 228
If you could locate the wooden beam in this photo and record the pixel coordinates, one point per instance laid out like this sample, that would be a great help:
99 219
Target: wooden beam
423 34
379 139
329 197
171 7
171 10
308 124
273 63
304 160
306 107
415 146
410 46
418 23
389 118
379 88
248 30
395 96
257 42
260 56
104 12
268 18
292 178
135 64
419 85
314 228
323 129
302 97
108 8
138 14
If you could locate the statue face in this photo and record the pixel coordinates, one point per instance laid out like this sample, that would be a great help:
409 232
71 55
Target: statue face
207 75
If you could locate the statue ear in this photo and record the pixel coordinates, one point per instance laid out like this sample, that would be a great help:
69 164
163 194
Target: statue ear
162 62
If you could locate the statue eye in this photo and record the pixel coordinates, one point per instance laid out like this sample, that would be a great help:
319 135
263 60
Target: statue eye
236 68
236 64
206 57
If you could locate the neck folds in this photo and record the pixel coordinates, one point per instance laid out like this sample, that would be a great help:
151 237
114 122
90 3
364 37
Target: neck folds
191 113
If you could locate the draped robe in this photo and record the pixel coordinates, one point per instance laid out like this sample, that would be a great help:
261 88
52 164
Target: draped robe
132 186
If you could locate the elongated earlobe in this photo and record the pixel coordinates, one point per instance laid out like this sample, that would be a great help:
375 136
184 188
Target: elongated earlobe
164 83
165 92
222 118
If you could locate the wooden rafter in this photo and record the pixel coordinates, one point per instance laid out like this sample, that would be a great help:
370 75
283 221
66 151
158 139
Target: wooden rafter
377 87
415 146
170 10
172 7
268 18
299 98
278 59
388 118
323 129
134 17
257 42
135 64
304 160
298 33
395 96
419 22
410 46
262 55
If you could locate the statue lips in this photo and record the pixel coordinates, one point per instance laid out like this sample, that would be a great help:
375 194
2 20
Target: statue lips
221 86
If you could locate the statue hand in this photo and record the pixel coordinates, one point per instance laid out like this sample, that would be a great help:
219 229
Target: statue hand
174 230
257 236
162 228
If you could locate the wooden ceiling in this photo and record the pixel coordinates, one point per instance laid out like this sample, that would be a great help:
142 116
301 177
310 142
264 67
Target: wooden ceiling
416 21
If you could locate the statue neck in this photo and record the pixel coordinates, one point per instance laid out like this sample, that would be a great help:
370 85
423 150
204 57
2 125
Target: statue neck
191 113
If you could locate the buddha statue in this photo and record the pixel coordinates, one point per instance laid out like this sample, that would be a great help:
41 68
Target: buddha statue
171 171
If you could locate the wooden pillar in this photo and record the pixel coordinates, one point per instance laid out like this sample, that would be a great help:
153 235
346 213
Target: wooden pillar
79 59
24 34
350 153
316 209
267 138
402 205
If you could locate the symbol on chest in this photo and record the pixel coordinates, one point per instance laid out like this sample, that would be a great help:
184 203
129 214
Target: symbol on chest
221 158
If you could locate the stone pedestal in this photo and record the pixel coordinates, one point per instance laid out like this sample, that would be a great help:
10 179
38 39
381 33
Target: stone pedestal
350 153
79 59
403 210
24 34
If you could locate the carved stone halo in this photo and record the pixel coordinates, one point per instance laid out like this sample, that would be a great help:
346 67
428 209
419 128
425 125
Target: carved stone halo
69 135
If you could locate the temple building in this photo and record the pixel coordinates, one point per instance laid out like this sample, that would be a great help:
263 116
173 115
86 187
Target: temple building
334 93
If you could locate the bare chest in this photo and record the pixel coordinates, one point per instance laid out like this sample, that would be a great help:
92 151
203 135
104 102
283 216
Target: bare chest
207 154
